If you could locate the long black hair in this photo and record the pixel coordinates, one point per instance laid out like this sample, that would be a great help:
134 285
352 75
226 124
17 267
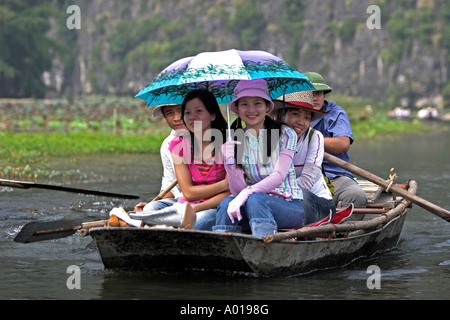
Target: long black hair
210 102
269 125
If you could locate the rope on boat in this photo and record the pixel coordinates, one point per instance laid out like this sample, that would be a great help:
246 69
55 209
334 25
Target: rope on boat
392 177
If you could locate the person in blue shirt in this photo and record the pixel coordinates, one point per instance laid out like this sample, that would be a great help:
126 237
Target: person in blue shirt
338 136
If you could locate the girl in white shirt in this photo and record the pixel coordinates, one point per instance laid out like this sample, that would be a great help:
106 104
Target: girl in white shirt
298 113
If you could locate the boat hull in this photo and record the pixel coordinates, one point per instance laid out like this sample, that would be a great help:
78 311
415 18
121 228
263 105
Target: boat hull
174 249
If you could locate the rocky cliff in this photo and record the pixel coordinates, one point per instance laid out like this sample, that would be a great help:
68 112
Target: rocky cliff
122 45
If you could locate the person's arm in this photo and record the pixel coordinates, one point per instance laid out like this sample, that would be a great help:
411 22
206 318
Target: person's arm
168 170
169 195
340 135
275 179
337 145
211 203
235 174
313 162
266 185
282 166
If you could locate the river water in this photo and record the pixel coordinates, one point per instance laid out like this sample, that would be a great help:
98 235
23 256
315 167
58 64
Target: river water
418 268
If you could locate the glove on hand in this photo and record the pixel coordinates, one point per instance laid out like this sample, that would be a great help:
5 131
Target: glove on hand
228 151
235 204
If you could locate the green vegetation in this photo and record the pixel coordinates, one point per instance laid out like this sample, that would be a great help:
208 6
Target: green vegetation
36 131
369 120
149 35
26 50
380 126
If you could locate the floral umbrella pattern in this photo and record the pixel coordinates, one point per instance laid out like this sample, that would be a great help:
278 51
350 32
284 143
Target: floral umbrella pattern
219 72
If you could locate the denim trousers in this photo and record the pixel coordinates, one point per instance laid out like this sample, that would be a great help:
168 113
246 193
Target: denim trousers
262 214
316 208
206 219
159 204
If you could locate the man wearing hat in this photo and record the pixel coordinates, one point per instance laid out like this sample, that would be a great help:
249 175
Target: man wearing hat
173 116
338 136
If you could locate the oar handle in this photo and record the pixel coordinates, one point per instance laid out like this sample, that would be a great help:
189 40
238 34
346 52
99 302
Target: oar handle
165 191
440 212
85 226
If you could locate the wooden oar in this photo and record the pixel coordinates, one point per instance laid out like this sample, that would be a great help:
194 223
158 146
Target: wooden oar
40 231
166 191
28 185
440 212
329 230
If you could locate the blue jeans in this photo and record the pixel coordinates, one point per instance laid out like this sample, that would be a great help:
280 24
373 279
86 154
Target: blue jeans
159 204
206 220
316 208
262 214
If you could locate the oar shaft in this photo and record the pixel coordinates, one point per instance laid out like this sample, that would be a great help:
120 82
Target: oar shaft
165 191
84 225
27 185
39 231
326 230
58 230
441 212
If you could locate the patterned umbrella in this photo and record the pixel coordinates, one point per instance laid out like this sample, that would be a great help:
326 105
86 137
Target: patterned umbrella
219 72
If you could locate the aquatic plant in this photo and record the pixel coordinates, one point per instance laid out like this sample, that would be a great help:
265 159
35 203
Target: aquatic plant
33 130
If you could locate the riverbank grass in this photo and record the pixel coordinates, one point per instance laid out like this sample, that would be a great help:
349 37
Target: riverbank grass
32 131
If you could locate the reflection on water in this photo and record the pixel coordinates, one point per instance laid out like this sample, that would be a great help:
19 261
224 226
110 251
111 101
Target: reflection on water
416 269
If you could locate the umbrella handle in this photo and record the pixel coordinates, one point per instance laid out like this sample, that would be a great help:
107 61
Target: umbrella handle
230 161
228 113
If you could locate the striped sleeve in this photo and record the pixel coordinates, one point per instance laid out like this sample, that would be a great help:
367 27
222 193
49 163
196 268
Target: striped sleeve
288 139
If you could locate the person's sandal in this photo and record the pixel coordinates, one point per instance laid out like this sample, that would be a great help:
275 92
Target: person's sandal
343 215
325 220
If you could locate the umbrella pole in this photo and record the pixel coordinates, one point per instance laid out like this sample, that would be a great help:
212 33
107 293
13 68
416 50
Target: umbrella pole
228 114
228 120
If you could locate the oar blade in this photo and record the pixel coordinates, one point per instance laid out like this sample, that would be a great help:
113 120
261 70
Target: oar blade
41 231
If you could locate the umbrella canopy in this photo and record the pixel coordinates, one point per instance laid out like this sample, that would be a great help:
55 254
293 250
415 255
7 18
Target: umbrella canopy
219 72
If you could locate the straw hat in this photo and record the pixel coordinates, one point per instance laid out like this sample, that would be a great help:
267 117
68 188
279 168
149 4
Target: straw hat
299 99
251 88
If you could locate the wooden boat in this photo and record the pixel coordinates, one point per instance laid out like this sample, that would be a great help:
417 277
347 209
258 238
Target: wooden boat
286 253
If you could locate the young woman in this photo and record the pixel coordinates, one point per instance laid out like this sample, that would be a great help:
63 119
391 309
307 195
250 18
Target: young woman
297 112
261 174
198 166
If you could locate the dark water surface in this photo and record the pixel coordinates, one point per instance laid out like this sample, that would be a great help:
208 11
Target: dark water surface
419 268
